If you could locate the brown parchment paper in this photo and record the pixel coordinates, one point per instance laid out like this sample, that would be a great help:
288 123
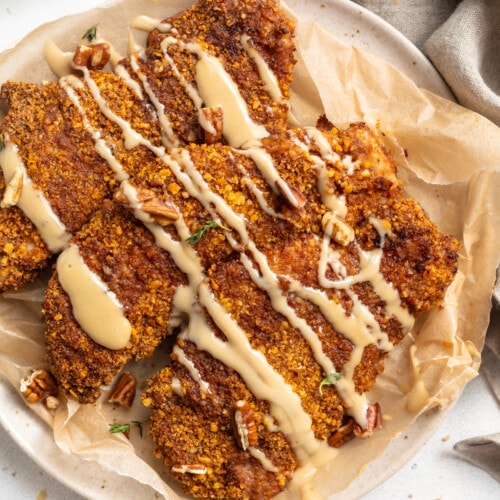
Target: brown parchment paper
449 158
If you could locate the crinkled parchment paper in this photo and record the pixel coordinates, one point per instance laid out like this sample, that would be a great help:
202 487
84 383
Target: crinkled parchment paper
449 158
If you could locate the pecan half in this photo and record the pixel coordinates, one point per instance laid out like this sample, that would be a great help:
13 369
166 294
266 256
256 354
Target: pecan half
148 202
93 56
245 429
123 392
373 421
210 120
40 386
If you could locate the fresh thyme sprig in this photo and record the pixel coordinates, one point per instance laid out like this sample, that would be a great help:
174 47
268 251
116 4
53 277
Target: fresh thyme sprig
330 379
90 34
117 427
202 230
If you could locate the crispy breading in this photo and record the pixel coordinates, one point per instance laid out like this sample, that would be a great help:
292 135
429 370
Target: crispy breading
56 150
218 27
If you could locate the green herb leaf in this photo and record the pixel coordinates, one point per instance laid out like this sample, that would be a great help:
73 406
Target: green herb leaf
209 224
90 34
2 143
117 427
330 379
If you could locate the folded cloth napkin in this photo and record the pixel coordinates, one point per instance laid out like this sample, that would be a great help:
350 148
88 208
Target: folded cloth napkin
465 50
462 39
483 451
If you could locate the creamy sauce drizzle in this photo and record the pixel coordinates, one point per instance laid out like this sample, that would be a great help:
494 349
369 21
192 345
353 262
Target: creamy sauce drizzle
95 307
418 397
59 62
265 72
169 137
69 83
218 90
262 458
131 83
30 199
146 23
131 138
195 374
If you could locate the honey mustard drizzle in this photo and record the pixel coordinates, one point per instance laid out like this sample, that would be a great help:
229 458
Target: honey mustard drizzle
193 301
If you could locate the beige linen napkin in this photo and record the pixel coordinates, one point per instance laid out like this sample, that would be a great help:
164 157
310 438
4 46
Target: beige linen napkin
416 19
462 39
465 49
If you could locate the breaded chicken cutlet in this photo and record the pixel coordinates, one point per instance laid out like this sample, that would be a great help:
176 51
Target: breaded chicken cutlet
244 37
73 140
287 290
42 135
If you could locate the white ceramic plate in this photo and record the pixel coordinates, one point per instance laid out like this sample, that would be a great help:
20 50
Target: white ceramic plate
352 24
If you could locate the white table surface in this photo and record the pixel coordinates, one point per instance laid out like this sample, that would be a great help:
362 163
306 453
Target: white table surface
435 472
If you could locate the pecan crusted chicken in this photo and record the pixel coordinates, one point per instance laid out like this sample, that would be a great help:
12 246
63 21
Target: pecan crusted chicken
116 246
23 254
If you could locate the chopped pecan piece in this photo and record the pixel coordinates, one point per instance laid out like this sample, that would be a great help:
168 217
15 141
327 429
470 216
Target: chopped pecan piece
210 120
341 232
373 421
13 190
342 435
147 201
93 56
41 386
245 429
189 468
293 196
123 392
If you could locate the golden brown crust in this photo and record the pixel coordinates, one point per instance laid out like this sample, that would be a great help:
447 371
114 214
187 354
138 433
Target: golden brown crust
295 257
